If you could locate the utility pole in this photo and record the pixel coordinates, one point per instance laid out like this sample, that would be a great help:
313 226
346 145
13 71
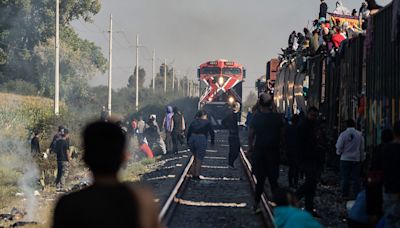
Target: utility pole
173 78
110 68
187 87
178 85
57 64
154 68
137 72
165 75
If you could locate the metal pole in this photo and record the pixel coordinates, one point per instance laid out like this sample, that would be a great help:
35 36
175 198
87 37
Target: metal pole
173 79
178 84
165 75
187 87
57 63
137 72
110 68
154 68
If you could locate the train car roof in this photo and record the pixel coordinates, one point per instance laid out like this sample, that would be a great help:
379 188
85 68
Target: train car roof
221 63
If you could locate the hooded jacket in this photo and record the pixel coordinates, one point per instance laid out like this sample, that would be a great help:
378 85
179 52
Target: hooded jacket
289 217
341 10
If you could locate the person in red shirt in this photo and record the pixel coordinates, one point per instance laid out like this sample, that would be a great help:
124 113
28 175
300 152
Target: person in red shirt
338 37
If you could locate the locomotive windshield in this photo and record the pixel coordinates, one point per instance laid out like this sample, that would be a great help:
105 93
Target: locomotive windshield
227 70
210 70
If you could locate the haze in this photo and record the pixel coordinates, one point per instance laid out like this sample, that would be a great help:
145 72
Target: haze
190 32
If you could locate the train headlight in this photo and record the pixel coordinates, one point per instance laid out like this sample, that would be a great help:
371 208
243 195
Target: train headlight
221 81
231 100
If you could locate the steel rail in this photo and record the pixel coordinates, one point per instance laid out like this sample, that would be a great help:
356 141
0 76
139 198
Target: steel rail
168 205
266 209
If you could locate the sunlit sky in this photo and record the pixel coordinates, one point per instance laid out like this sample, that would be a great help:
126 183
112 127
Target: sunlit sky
190 32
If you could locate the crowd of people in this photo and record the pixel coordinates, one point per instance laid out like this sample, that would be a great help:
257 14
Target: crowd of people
376 199
328 31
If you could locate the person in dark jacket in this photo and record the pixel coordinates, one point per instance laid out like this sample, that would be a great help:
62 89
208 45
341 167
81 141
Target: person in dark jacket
56 137
323 9
231 123
292 152
35 143
391 179
374 188
197 136
308 157
178 130
64 158
264 145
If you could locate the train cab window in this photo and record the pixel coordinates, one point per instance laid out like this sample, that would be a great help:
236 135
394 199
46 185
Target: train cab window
210 70
227 70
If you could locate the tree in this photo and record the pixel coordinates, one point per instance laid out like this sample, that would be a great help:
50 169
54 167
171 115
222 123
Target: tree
27 42
132 78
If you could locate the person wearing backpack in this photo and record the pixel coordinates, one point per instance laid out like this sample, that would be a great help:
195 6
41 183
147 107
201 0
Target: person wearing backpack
168 126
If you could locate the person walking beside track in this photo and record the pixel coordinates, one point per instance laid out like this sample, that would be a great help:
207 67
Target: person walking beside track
197 140
308 158
107 202
179 129
264 146
64 157
231 123
168 126
350 147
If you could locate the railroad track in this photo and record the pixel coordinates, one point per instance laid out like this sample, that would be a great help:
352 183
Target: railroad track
223 198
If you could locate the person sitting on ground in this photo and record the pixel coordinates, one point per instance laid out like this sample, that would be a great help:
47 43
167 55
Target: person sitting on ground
107 202
286 213
153 135
357 214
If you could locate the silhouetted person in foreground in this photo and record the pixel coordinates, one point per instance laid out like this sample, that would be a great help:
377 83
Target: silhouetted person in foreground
107 202
264 146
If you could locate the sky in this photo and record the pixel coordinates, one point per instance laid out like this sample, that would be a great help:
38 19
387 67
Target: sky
190 32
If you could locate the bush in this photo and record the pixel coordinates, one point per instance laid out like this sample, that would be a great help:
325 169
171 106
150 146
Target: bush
19 87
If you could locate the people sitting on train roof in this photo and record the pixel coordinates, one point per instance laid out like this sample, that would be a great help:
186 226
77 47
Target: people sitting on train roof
287 215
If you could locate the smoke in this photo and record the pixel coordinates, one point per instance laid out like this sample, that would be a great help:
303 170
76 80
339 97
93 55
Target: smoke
27 185
17 162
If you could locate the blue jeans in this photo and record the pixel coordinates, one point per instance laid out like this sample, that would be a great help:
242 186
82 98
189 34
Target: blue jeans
350 171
